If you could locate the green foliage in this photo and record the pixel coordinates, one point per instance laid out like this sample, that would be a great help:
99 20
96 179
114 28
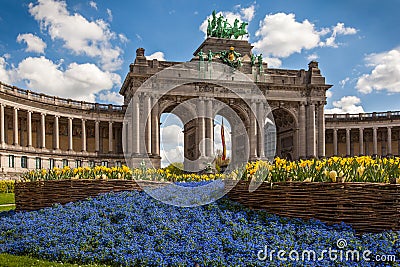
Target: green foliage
8 260
175 168
7 186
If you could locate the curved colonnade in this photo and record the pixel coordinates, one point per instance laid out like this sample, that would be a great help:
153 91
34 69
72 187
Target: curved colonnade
41 131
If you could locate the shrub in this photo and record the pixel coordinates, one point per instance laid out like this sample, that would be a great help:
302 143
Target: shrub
7 186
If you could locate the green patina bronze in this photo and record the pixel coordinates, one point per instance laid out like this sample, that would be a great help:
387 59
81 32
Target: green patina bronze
219 27
230 57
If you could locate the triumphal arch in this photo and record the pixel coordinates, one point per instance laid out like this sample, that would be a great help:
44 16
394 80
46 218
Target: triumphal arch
292 101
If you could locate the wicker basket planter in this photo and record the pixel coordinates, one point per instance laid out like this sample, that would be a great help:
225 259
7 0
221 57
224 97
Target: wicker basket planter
36 195
368 207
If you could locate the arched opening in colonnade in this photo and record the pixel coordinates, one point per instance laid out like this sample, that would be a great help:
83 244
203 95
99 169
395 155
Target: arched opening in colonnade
171 140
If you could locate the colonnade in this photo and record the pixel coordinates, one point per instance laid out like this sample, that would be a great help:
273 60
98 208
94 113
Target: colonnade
387 147
19 115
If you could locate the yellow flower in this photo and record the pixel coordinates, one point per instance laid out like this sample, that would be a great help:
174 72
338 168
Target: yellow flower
360 170
333 175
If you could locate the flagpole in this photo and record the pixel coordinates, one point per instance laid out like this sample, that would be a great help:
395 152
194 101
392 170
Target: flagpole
223 140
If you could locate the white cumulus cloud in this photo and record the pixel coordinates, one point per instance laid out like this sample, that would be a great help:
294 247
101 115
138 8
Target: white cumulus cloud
171 156
110 15
157 55
339 29
171 137
33 42
347 104
344 81
78 81
171 144
312 57
280 35
248 13
81 36
5 74
273 62
385 74
93 4
111 98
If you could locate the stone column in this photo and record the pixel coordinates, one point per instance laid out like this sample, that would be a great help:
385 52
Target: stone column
135 130
155 123
97 135
302 131
56 133
43 130
311 137
335 142
361 141
15 118
2 125
29 127
253 131
83 135
375 140
321 131
110 136
348 140
389 140
147 122
21 132
210 128
70 138
202 130
126 140
261 142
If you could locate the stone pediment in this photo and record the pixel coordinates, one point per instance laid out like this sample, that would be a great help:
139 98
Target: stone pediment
220 44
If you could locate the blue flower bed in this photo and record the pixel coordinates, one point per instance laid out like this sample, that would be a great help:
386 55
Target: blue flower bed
133 229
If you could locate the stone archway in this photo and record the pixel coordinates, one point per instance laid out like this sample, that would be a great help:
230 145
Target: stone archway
240 124
286 134
187 114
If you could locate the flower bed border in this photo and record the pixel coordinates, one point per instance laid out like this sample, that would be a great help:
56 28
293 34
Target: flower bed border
36 195
368 207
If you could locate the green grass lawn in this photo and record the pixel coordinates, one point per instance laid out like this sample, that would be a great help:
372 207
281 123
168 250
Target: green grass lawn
8 260
7 208
5 200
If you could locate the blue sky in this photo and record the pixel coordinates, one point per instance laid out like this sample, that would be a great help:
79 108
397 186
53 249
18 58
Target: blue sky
82 49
